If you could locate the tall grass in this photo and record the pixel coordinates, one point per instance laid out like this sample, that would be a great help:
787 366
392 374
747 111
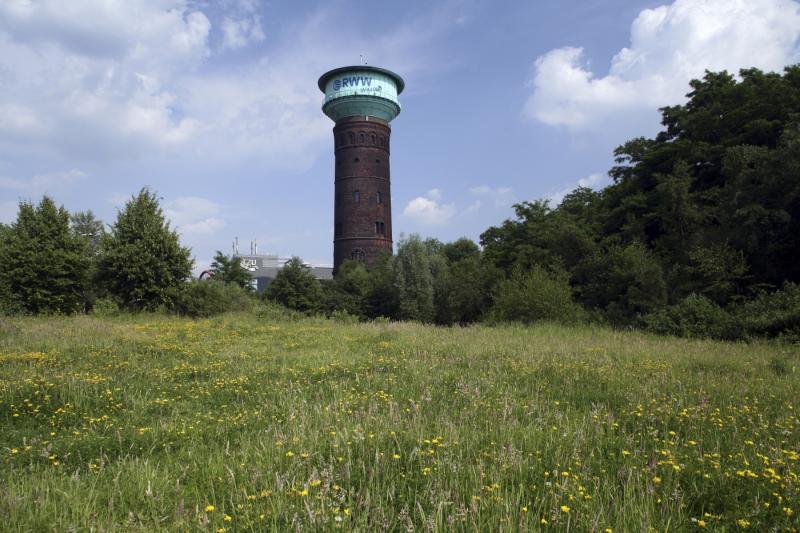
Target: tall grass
242 423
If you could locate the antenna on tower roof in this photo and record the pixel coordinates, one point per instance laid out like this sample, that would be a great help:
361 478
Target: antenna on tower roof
363 61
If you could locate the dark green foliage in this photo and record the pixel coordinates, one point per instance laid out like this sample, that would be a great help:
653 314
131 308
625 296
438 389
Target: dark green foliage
141 261
775 314
710 206
105 307
86 227
348 291
383 299
694 316
202 298
624 282
295 287
230 270
44 269
88 230
414 280
461 249
472 282
535 295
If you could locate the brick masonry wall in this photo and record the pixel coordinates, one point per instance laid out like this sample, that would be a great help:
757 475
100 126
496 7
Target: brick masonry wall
363 206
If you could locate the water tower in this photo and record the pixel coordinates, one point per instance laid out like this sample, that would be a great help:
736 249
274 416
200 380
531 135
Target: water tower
361 101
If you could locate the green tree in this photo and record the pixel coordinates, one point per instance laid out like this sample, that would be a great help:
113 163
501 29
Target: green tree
230 270
86 227
472 282
88 230
296 288
44 269
349 289
535 295
382 298
142 263
413 280
624 282
460 249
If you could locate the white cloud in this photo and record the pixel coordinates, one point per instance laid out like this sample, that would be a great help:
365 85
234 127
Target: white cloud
43 182
500 196
128 78
670 45
593 181
427 210
193 216
238 33
473 207
97 79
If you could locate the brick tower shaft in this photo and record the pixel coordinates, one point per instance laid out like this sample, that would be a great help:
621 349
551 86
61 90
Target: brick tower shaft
362 209
361 100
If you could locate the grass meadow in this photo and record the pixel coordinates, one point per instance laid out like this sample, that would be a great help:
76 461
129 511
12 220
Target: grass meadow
243 423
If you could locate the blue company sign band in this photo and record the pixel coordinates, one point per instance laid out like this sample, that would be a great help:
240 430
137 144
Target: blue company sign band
355 81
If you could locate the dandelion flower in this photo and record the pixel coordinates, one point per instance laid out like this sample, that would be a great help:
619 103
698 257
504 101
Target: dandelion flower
210 508
565 508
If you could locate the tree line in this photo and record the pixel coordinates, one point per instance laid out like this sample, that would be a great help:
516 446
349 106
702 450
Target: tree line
698 235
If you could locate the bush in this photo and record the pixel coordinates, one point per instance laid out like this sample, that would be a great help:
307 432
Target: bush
209 297
774 314
105 307
533 296
275 312
296 288
695 316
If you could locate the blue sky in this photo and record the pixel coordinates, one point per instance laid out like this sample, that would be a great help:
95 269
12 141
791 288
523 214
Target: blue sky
214 104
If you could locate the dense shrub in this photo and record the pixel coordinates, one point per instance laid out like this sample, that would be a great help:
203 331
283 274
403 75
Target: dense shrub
774 314
533 296
43 267
105 307
694 316
296 288
275 312
209 297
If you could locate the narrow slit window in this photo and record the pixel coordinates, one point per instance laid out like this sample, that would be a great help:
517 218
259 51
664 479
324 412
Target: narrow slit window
378 197
356 197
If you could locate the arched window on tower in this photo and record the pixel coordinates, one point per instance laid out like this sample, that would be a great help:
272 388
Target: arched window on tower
373 138
361 138
352 137
358 255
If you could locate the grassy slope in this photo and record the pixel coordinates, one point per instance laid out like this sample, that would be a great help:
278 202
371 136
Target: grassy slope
145 422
